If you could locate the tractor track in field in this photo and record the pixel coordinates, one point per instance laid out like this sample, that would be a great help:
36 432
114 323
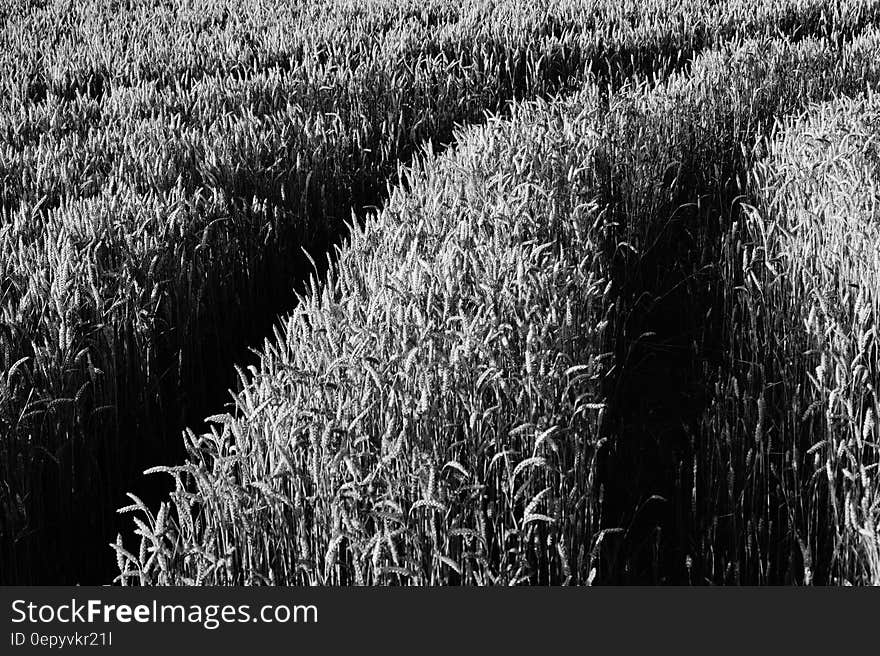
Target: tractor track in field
654 401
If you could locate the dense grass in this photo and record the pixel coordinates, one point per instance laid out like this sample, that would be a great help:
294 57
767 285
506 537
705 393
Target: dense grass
427 414
163 163
675 197
61 48
798 423
347 462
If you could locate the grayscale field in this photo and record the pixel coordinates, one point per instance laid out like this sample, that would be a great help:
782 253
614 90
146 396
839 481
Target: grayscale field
398 292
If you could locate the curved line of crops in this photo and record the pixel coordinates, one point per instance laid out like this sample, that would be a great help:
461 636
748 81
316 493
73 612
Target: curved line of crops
798 425
162 163
405 419
673 199
415 420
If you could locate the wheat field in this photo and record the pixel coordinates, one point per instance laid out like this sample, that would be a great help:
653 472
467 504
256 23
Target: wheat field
473 293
